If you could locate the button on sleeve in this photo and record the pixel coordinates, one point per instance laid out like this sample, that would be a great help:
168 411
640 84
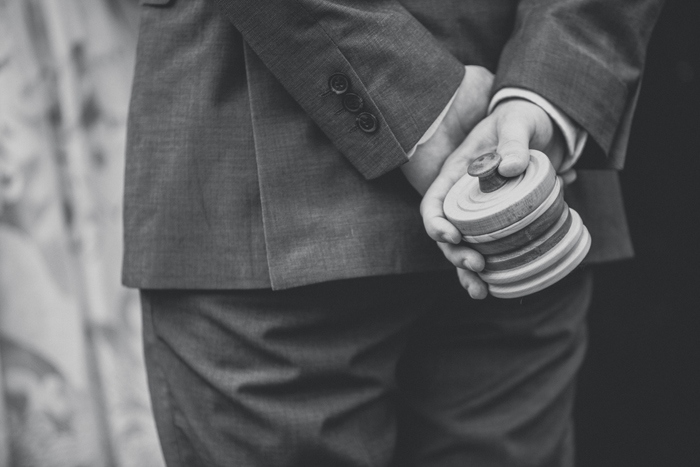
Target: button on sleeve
339 83
367 122
352 102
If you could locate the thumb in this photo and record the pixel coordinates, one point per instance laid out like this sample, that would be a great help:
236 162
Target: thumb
514 133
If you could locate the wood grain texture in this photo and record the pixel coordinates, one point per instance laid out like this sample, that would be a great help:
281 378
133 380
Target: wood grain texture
476 213
548 277
554 255
533 249
527 230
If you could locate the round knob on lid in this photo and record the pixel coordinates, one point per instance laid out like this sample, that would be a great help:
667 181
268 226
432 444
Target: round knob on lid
486 168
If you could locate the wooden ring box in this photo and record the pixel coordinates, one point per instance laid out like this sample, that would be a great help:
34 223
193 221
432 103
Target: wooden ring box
528 235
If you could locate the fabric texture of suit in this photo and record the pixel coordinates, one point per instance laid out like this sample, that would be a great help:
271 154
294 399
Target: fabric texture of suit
244 172
388 371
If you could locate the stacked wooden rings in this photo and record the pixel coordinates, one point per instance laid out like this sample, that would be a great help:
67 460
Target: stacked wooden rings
529 237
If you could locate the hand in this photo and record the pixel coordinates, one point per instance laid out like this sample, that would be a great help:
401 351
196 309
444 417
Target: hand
468 108
512 129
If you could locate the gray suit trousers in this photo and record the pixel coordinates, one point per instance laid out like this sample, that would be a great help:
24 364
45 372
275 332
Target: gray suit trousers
395 371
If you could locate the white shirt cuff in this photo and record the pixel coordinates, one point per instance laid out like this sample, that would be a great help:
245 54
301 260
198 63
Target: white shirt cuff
574 135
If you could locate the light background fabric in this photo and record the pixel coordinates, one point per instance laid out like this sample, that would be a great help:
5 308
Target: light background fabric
70 348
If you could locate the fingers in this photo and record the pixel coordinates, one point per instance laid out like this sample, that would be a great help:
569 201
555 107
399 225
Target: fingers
514 133
437 227
463 257
468 263
473 284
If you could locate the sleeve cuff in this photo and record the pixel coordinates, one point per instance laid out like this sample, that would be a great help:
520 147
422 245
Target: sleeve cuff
574 135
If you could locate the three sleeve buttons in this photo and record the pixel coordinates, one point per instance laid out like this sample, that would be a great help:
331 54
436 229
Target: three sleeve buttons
339 84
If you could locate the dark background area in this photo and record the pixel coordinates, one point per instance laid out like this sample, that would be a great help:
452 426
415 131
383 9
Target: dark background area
638 400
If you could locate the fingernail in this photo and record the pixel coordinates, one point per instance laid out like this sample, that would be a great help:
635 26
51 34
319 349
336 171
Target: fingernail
448 238
507 160
469 264
475 293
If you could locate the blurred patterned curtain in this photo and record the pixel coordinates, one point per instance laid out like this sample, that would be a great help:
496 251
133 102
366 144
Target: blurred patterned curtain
71 364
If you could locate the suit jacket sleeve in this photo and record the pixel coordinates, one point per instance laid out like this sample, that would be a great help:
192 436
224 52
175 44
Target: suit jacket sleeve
586 57
396 66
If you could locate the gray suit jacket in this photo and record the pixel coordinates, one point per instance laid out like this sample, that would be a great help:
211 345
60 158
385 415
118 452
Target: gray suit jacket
244 171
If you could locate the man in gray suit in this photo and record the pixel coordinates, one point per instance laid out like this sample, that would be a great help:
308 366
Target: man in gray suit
295 311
